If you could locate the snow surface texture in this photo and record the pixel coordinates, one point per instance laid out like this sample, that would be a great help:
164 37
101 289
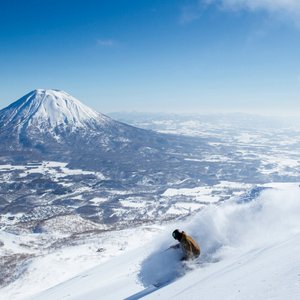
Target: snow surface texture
250 250
54 108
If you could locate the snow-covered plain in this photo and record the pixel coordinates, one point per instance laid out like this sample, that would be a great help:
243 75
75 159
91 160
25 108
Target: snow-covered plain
250 250
55 170
274 142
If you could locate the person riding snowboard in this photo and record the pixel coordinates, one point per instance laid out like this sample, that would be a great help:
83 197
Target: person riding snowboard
188 245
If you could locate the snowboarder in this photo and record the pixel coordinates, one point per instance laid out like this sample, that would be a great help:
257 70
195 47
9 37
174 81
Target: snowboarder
188 245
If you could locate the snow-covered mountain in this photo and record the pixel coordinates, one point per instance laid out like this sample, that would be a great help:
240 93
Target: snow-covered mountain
49 109
48 121
52 125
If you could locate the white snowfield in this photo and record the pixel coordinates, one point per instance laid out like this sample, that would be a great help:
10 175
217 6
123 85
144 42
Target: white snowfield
249 251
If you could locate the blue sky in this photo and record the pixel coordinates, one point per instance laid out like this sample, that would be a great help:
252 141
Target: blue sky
158 55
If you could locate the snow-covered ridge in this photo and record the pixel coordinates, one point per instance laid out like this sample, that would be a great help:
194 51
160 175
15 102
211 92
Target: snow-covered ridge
50 108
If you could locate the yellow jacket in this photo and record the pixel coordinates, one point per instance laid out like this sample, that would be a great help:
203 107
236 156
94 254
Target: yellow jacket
189 247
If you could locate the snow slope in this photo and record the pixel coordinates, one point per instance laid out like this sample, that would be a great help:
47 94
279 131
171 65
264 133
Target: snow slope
250 250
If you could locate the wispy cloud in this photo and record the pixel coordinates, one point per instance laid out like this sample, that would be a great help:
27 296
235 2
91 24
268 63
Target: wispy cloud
286 9
282 9
193 11
107 43
284 6
189 14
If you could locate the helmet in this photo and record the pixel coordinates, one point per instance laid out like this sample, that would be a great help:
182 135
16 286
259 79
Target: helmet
176 234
